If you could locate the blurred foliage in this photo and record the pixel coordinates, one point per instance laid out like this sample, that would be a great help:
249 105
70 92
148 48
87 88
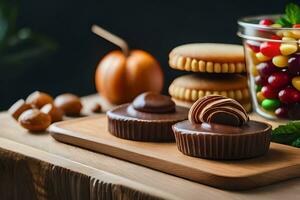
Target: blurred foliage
20 47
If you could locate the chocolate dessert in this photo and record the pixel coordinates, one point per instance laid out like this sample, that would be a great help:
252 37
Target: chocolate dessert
148 118
219 128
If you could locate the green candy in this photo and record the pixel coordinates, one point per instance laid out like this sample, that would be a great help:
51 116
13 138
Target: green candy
270 104
258 88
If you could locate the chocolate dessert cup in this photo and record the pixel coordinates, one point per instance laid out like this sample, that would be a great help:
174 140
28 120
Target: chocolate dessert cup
149 118
219 128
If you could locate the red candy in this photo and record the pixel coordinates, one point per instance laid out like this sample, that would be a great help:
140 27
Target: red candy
289 96
266 22
266 68
294 65
254 46
275 82
259 80
275 37
296 26
270 49
269 92
282 112
278 79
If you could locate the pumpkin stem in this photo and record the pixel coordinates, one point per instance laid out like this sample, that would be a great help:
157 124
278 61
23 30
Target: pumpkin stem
112 38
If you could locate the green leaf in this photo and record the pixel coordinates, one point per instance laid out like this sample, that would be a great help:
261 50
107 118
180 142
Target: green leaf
286 134
291 17
283 22
292 12
296 143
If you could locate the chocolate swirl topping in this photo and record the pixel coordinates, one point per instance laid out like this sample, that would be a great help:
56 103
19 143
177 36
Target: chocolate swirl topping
151 102
218 109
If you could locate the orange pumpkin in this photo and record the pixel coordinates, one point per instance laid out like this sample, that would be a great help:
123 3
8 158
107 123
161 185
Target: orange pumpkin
121 78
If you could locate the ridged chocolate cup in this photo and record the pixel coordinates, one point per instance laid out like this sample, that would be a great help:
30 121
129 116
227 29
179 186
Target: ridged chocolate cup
223 146
140 126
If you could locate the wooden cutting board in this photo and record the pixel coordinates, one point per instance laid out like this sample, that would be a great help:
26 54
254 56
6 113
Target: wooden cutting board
281 163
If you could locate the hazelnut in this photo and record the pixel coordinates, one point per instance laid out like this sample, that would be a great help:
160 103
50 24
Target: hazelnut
55 113
70 104
97 108
39 99
35 120
18 108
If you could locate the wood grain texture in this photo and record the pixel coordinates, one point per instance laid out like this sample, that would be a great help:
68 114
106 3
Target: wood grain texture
24 177
281 163
43 148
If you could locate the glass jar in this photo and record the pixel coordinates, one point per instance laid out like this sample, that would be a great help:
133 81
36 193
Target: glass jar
273 64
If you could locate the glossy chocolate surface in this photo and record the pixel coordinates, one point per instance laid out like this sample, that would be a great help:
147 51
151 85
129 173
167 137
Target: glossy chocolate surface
219 128
219 110
128 111
251 127
150 102
149 118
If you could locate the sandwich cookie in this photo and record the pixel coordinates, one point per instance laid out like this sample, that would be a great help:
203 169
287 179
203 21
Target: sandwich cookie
208 57
189 88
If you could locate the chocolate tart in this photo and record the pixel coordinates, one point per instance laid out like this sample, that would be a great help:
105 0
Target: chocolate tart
148 118
219 128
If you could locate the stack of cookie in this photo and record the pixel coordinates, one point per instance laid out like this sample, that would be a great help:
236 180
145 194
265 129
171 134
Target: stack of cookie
218 69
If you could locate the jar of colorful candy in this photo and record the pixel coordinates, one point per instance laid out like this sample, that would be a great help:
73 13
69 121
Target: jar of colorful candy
272 52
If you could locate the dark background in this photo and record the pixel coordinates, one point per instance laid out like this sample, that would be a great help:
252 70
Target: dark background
155 26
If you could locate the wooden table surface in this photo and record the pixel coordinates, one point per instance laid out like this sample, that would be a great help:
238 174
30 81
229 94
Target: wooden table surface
86 170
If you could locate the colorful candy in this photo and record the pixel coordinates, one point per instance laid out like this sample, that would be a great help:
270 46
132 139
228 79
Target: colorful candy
270 104
261 57
261 81
276 25
289 96
266 22
270 49
280 61
279 79
266 68
296 34
294 65
258 88
288 49
253 45
296 26
277 71
296 82
269 92
282 112
260 97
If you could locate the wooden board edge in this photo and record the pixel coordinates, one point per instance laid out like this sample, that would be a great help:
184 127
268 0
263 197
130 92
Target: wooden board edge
81 168
222 182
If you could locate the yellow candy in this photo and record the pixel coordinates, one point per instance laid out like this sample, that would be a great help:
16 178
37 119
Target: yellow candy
280 61
288 49
252 57
296 82
280 33
260 97
261 57
254 70
296 34
287 34
276 25
288 39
